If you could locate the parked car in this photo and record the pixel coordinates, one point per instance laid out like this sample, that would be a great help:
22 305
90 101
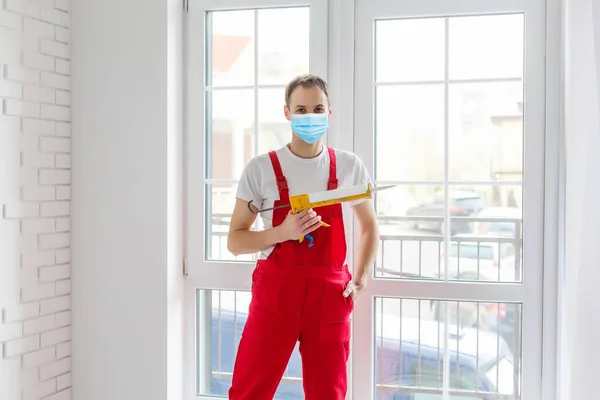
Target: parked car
479 361
393 203
496 318
502 228
462 204
472 259
407 353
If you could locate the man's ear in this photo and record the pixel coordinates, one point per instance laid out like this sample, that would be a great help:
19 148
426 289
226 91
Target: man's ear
287 113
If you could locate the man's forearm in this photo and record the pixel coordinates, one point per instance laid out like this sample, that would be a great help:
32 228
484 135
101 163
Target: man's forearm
247 242
367 252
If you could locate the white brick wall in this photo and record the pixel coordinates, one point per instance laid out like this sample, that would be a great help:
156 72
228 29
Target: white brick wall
35 285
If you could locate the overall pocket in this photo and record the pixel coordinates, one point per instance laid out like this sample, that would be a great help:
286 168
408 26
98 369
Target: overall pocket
266 310
335 313
266 292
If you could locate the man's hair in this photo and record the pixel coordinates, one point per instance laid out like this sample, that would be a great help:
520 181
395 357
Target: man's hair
306 81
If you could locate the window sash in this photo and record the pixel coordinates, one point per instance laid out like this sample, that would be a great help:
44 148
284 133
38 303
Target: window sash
195 139
528 293
212 274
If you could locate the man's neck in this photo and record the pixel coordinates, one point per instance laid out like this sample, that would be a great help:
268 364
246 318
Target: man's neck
305 150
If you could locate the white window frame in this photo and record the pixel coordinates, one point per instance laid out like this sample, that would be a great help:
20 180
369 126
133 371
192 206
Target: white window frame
539 235
203 273
223 274
333 29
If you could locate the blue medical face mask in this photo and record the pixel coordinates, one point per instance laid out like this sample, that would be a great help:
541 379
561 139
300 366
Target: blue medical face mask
310 127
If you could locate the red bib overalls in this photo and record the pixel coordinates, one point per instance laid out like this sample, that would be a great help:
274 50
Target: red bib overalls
297 295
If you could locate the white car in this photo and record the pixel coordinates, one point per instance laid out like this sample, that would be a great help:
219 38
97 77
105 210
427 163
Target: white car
476 260
509 223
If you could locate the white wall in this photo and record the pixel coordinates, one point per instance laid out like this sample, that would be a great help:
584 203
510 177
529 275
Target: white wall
35 283
580 348
126 199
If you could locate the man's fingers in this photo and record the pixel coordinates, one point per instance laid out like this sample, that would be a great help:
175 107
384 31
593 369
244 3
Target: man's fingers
313 228
311 224
350 288
308 216
301 215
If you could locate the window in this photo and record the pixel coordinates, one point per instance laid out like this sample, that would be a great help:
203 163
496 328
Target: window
241 54
448 96
448 101
251 55
248 66
409 355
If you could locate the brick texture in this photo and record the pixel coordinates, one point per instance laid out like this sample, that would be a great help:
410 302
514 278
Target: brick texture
35 177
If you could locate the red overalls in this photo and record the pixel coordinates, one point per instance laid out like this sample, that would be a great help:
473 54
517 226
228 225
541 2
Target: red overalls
297 295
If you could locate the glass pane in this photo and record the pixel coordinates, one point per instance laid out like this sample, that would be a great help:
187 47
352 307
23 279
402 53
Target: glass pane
219 338
409 255
486 131
488 46
401 58
273 129
283 44
410 133
483 349
230 132
486 233
487 229
411 241
220 200
231 36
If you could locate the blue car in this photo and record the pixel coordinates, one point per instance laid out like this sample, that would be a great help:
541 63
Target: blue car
408 360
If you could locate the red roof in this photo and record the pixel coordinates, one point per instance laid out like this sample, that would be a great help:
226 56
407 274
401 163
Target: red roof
226 50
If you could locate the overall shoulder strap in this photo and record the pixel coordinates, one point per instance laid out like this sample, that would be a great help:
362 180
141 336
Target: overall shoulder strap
333 182
282 186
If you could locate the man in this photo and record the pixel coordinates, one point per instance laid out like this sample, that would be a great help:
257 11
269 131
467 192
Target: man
300 293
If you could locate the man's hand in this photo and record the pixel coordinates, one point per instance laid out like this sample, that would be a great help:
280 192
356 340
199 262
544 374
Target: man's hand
354 288
296 226
367 247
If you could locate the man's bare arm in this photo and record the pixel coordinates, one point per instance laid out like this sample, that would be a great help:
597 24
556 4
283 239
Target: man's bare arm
369 240
241 239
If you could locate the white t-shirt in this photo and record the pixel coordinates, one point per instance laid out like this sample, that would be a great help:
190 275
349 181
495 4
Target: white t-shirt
303 175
